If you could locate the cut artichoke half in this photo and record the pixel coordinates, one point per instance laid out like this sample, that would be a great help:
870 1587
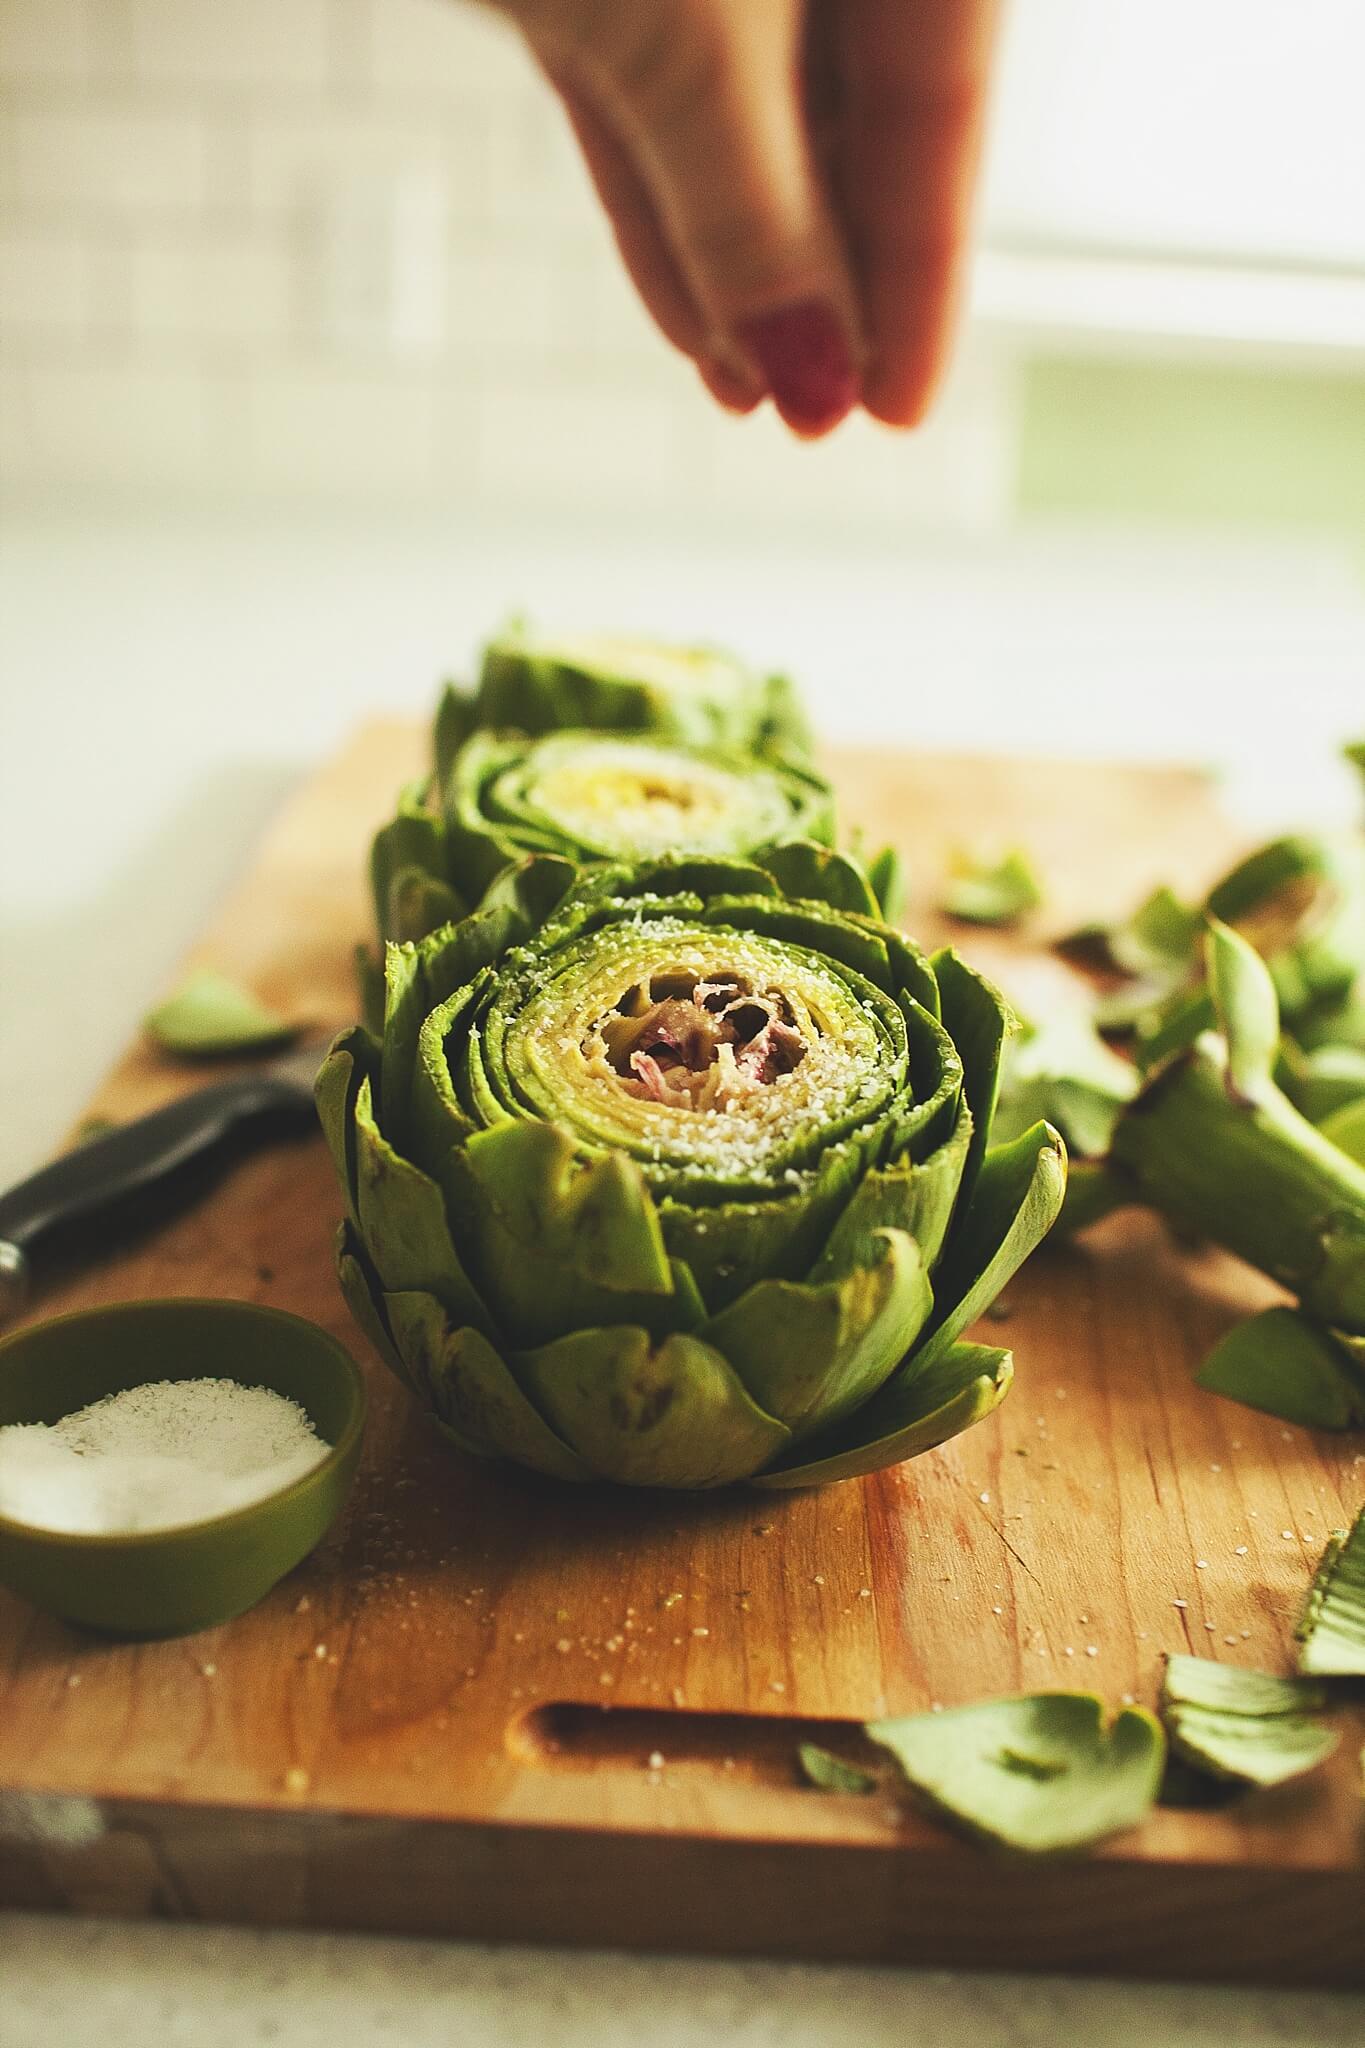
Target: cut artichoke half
538 683
682 1180
590 797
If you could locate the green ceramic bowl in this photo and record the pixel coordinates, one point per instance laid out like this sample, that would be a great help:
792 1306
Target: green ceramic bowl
169 1582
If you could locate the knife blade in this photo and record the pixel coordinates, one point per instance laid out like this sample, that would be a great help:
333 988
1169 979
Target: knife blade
105 1173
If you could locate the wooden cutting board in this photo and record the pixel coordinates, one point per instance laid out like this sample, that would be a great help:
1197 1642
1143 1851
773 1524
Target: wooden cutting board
444 1721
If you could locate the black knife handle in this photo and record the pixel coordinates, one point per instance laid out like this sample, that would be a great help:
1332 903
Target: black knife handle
106 1172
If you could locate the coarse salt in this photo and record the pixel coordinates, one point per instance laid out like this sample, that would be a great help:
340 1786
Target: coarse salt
156 1456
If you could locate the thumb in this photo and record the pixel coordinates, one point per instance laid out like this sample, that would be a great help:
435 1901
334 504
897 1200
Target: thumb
707 96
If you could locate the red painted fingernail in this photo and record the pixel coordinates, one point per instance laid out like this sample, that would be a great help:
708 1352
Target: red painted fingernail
804 356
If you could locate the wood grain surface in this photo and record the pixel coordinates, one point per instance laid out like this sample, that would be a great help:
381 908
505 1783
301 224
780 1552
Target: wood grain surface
445 1719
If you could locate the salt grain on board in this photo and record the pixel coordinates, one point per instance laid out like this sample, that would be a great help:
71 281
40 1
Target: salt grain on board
156 1456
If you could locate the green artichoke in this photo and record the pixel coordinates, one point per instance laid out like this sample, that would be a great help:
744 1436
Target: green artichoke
678 1178
534 684
586 796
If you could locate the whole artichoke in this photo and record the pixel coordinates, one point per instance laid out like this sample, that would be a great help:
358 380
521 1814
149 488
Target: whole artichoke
535 683
676 1179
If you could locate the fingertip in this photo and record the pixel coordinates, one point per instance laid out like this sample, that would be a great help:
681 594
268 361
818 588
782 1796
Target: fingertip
736 393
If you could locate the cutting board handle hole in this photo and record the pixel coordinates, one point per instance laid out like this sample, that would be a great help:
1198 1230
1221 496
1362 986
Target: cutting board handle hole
571 1735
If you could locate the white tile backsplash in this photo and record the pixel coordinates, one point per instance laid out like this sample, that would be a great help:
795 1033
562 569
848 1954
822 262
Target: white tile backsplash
346 250
45 39
446 49
125 425
268 44
43 281
210 285
80 161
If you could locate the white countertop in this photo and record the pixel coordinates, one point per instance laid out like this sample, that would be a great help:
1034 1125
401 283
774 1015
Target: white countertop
164 681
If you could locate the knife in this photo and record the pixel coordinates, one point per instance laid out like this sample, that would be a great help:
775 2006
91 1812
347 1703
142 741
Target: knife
131 1161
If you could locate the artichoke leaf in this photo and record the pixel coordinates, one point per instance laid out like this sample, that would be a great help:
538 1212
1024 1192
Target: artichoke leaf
1346 1129
422 977
807 870
915 1196
419 903
810 1353
829 1773
352 1058
1041 1772
978 1020
558 1243
672 1414
211 1016
990 890
531 888
402 1216
1285 1364
1247 1727
364 1297
913 1413
1247 1008
886 879
854 942
412 844
473 1392
1017 1200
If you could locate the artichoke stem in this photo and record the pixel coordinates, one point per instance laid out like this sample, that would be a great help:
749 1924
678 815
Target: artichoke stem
1255 1177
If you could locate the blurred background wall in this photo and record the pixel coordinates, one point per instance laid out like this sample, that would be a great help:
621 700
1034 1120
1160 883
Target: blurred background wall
343 250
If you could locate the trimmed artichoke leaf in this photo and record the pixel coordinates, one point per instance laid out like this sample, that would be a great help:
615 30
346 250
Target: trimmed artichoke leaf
829 1773
1331 1630
1017 1200
1243 1727
364 1297
403 1223
1284 1364
810 1353
913 1413
1247 1009
1229 1689
672 1414
351 1058
978 1020
992 889
1172 1028
1156 944
1040 1772
803 868
209 1015
559 1244
1346 1129
472 1391
1063 1072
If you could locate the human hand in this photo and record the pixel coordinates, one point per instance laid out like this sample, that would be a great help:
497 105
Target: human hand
789 182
